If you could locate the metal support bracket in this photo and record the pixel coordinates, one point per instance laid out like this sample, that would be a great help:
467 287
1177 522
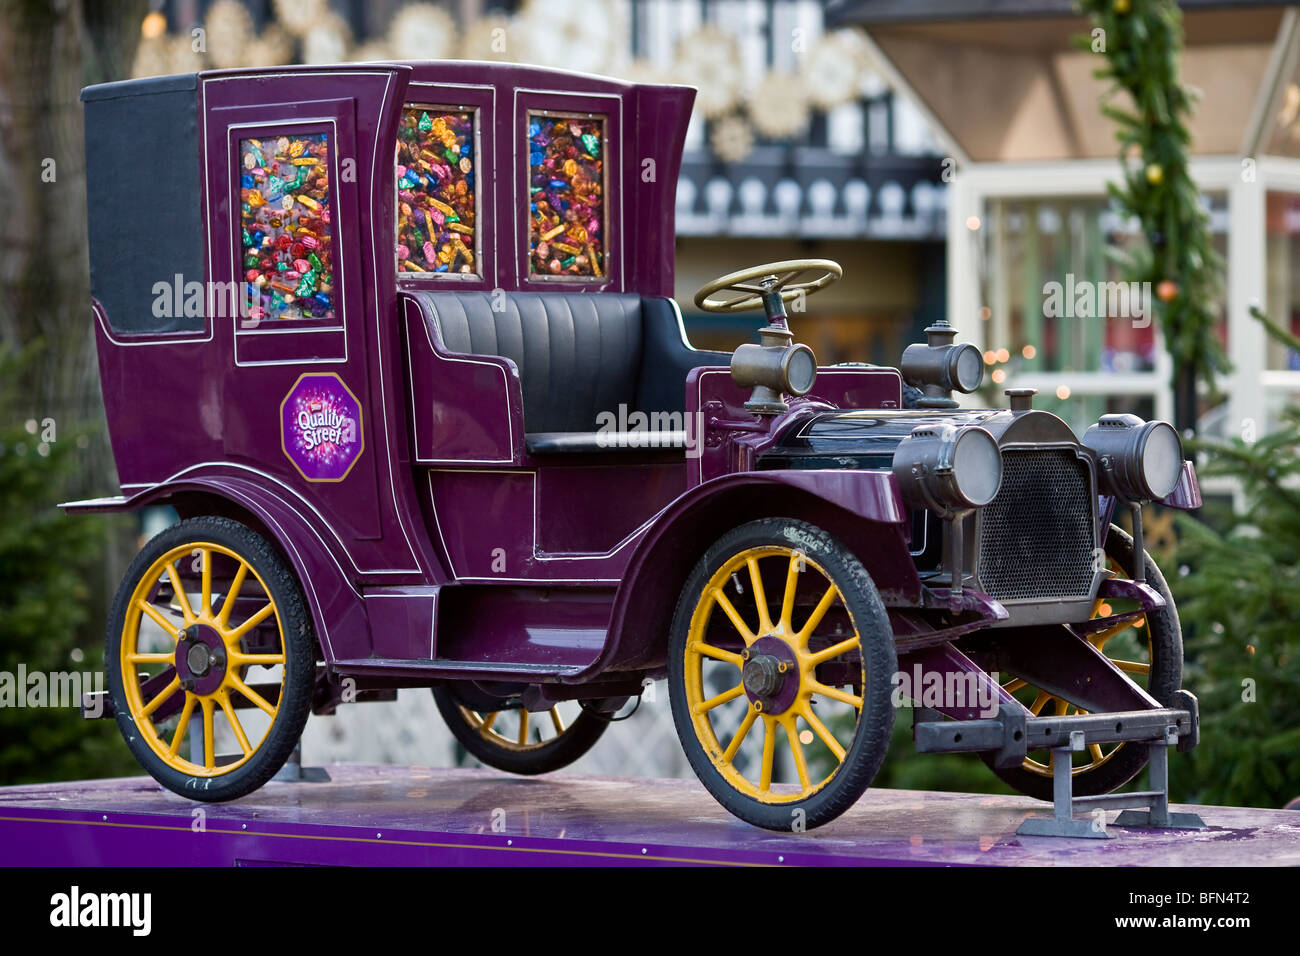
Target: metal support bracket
1145 808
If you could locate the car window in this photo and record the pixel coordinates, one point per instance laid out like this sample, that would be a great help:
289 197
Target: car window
567 195
285 220
437 203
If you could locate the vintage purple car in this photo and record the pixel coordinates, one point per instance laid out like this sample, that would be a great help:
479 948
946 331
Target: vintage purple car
397 343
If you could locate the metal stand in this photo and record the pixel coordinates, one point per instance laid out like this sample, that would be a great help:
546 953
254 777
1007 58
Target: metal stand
1149 808
294 772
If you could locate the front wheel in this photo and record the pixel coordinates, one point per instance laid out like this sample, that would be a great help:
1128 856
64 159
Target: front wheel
211 659
780 665
1149 649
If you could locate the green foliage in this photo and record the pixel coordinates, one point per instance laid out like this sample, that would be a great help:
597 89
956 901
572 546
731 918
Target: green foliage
1143 40
46 561
1239 606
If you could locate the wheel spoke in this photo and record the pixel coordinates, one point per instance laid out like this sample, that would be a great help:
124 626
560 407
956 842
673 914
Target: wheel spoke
818 613
182 725
523 727
150 658
1012 686
181 597
703 707
737 621
835 650
1094 751
253 697
729 754
556 720
824 733
163 695
262 614
205 588
235 725
1131 667
157 617
791 586
717 653
769 752
228 605
760 596
251 660
209 746
834 693
1039 703
796 749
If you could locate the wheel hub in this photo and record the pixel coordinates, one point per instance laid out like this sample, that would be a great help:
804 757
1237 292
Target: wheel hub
762 676
770 675
200 659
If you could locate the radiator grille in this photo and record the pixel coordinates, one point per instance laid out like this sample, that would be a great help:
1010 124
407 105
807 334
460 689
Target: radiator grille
1036 537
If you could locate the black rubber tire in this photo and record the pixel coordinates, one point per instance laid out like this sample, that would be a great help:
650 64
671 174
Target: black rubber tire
299 654
875 723
1166 677
560 751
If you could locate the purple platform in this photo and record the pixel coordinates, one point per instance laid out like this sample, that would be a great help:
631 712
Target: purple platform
410 815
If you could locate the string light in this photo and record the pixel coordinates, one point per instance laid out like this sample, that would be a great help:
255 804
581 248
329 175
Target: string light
153 26
1029 351
1003 355
999 376
1063 392
973 223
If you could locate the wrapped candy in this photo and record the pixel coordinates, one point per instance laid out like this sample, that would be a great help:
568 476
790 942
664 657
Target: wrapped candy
566 191
436 214
284 207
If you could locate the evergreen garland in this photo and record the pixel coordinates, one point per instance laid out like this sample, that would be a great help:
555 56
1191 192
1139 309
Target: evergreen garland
1141 41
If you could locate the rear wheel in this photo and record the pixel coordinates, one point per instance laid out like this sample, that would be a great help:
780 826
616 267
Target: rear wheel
211 659
512 739
781 657
1148 649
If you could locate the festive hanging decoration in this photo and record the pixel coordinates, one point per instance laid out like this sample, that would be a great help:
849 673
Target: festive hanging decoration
273 48
299 17
710 60
1167 291
572 36
832 69
778 106
421 31
328 41
732 139
1143 44
229 30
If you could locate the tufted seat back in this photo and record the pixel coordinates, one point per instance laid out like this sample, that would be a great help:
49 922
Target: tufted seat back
578 354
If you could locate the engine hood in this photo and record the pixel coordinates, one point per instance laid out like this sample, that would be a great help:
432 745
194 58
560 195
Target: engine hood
867 438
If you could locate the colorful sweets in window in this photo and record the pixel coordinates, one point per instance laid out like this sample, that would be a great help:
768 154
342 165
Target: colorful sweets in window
435 192
566 183
288 258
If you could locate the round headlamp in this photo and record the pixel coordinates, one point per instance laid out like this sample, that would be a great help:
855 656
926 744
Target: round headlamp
1140 461
948 468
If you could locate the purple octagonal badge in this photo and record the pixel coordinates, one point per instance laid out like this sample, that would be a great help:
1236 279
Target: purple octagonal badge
320 427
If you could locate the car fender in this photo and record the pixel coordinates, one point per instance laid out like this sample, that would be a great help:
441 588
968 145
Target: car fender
336 606
862 509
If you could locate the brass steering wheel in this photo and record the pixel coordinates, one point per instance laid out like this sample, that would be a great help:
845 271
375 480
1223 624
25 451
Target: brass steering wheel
755 283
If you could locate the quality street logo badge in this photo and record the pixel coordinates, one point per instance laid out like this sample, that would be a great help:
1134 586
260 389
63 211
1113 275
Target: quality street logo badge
320 427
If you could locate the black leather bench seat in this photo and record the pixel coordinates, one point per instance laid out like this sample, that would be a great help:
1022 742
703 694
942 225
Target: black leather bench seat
582 357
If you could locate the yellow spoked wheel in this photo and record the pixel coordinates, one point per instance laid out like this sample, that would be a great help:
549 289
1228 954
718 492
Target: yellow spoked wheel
779 668
1146 647
211 659
504 735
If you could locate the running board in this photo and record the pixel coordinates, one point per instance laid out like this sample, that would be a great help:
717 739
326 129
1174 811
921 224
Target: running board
382 667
